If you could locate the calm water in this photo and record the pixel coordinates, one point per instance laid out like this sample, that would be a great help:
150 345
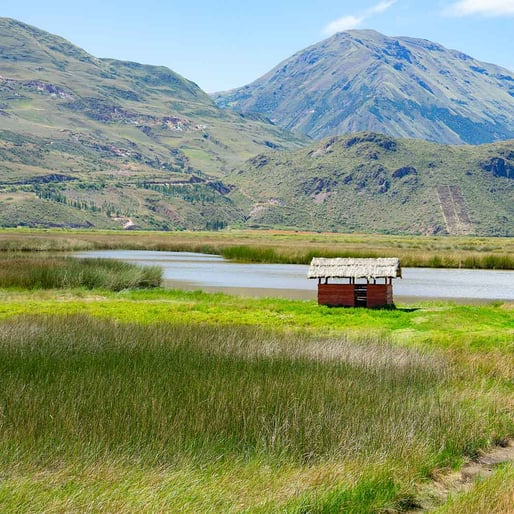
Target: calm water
213 273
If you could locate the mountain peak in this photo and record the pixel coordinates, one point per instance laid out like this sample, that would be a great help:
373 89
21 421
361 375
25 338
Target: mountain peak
360 34
406 87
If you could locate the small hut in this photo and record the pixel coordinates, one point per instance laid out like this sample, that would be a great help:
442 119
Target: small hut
358 282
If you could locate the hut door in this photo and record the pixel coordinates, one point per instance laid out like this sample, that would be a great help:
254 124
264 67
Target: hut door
361 295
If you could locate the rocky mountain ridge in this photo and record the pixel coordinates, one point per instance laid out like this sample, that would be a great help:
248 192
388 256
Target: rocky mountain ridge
404 87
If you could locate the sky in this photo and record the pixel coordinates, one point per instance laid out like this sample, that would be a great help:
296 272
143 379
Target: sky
225 44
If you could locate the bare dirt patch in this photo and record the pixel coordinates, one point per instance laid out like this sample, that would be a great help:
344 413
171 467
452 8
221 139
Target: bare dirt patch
437 492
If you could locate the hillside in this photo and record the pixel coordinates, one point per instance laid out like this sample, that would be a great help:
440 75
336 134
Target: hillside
361 80
99 142
87 142
373 183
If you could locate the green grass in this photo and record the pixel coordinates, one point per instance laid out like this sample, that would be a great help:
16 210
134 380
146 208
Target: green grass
210 392
150 400
27 272
439 324
434 260
351 422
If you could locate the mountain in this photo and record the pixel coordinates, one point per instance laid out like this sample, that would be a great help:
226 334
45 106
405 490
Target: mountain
404 87
100 142
88 142
374 183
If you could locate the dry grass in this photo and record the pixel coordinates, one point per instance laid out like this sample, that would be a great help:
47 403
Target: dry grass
277 246
492 495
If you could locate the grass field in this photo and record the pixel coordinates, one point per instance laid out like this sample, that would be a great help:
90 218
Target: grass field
159 400
280 246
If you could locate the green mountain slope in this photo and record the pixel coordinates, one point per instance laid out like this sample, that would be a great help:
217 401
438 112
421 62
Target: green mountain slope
87 141
371 182
362 80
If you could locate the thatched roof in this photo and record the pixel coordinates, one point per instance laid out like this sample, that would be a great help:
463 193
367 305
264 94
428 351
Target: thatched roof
355 268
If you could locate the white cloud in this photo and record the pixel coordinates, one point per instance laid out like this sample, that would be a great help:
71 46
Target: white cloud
484 7
380 7
352 22
344 23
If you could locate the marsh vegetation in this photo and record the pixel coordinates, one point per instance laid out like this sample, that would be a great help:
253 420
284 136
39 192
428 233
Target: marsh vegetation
78 392
40 272
279 246
131 398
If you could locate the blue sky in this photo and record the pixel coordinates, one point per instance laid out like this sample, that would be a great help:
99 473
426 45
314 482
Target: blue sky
221 45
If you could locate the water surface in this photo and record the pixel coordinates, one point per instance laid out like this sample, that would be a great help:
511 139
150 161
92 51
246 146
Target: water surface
213 273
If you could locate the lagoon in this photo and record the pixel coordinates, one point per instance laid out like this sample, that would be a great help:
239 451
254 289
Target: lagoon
213 273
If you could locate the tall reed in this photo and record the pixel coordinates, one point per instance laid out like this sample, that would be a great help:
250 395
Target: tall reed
30 272
430 259
80 388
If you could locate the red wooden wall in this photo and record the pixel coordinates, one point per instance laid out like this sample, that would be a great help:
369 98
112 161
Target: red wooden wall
380 295
336 295
343 295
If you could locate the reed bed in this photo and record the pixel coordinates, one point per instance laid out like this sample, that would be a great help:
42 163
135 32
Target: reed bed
35 272
280 247
408 259
78 391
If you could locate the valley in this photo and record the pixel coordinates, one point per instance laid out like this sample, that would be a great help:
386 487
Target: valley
141 387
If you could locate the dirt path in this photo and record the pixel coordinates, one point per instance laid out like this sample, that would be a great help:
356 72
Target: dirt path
437 492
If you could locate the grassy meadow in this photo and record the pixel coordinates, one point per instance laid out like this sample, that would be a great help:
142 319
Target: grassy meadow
286 247
141 399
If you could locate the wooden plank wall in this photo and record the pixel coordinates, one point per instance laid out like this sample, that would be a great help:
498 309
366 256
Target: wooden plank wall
379 295
343 295
336 295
